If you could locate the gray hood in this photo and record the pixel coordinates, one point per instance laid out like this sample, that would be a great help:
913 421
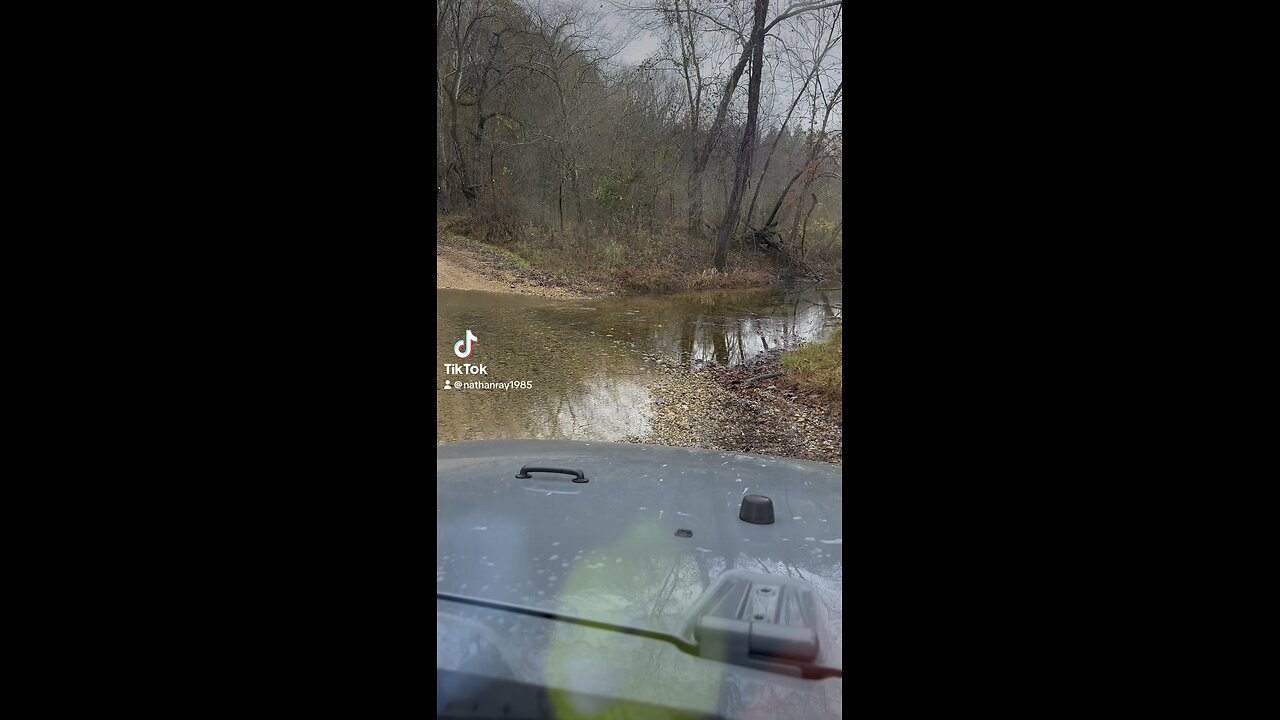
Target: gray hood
607 550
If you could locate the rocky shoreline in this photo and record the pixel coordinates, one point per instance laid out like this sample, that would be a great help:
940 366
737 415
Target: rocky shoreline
747 408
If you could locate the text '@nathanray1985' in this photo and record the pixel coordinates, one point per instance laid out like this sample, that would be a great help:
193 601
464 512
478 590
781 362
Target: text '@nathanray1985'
485 385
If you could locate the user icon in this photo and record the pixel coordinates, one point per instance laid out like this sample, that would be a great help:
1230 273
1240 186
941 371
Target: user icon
447 386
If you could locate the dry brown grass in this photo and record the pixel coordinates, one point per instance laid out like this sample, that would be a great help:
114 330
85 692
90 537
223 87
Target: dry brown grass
635 263
817 367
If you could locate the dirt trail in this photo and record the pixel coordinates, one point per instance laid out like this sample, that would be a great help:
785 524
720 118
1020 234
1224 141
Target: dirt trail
468 269
452 272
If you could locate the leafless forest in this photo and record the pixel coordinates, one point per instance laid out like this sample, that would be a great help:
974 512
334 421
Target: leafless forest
719 148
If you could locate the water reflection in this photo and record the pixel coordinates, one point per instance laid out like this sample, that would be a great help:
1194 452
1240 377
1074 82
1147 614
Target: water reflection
732 327
590 362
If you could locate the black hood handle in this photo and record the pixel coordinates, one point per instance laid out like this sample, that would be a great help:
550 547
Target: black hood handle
580 478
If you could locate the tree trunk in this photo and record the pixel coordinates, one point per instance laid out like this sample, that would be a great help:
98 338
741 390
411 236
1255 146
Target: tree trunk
464 172
577 196
795 222
695 203
804 229
754 47
442 164
810 165
690 57
747 149
778 205
764 173
482 122
819 142
701 158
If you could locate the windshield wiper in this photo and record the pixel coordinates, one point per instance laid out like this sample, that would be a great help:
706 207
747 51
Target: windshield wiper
748 642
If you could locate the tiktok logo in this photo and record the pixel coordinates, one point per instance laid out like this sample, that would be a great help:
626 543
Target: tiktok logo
457 347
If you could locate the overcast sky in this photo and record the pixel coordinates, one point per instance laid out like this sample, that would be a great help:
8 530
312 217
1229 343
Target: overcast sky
641 44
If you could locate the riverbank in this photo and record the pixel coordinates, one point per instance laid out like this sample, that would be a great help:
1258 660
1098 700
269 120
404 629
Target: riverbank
758 408
559 265
785 405
466 265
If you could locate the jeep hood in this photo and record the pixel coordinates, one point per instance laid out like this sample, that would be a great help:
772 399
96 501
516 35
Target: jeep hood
645 542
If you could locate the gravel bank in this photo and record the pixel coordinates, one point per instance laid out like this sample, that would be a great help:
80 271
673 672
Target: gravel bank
714 407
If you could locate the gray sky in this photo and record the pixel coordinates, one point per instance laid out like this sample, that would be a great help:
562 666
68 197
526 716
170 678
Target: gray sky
643 43
639 48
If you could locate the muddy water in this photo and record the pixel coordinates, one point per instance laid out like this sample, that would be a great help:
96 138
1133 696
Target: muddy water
590 362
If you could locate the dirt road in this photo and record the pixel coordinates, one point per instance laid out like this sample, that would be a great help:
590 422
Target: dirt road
467 269
453 272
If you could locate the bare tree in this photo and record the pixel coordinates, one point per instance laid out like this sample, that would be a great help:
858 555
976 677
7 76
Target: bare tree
685 16
460 21
701 159
810 167
539 125
819 142
820 52
748 136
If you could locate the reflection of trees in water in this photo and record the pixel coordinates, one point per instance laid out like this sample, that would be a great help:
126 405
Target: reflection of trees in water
734 334
583 385
586 385
680 579
733 347
600 407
